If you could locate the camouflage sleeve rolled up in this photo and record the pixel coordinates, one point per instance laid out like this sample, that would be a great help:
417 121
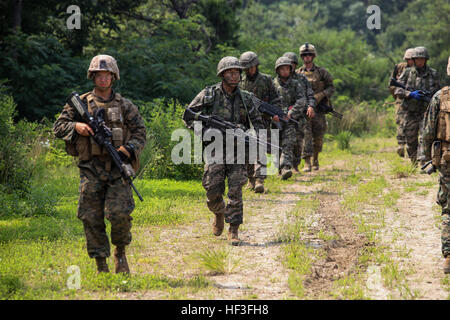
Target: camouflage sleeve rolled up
429 124
64 126
196 105
135 125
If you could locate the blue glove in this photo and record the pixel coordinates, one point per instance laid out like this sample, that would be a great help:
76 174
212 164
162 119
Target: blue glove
418 95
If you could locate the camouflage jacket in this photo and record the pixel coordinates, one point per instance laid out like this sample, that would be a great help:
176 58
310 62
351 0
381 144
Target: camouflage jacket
415 79
122 116
262 87
296 95
429 124
321 81
237 107
396 73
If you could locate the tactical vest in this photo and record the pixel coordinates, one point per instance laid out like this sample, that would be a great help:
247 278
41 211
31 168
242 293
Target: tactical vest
443 125
315 79
237 114
86 147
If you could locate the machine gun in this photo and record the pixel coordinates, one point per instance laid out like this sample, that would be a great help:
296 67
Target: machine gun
324 108
102 136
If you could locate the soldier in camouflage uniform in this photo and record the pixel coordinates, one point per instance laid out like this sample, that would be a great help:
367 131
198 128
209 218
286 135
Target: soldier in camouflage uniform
436 125
419 77
322 85
261 85
400 114
297 101
102 191
230 103
303 147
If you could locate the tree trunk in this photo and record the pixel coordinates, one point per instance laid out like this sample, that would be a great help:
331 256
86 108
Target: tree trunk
17 14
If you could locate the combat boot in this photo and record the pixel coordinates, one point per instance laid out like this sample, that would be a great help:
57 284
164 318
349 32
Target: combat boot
218 224
286 173
259 185
233 236
251 184
447 265
295 169
307 167
401 150
120 260
315 164
102 266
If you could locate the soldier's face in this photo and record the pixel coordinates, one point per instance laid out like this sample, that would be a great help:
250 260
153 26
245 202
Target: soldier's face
419 62
294 66
103 79
410 62
284 71
232 77
251 71
307 58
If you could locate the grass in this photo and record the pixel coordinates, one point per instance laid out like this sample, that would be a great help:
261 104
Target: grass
220 261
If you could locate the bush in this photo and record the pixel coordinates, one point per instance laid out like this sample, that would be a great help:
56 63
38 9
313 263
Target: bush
162 117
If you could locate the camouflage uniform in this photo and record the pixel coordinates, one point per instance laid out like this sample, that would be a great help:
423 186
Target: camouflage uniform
399 112
438 110
237 108
261 85
425 78
102 192
322 86
296 95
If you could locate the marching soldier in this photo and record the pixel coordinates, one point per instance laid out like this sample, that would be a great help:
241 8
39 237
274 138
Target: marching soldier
436 146
399 112
297 101
416 79
261 86
322 85
102 191
232 104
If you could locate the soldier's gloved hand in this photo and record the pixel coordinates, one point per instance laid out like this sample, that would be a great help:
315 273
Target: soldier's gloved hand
123 153
418 95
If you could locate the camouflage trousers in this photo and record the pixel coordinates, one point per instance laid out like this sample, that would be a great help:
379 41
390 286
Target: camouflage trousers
315 129
299 142
400 120
443 196
412 130
288 142
104 195
213 181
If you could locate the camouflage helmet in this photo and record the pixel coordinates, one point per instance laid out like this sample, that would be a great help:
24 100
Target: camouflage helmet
249 59
420 52
308 48
103 62
227 63
408 53
282 61
292 56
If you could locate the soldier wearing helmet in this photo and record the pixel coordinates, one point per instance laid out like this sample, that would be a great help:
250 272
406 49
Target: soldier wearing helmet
303 148
322 85
297 101
435 144
102 192
227 101
261 85
417 78
399 112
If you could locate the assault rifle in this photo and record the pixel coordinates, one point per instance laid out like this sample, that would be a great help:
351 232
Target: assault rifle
426 95
324 108
102 136
222 125
271 110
